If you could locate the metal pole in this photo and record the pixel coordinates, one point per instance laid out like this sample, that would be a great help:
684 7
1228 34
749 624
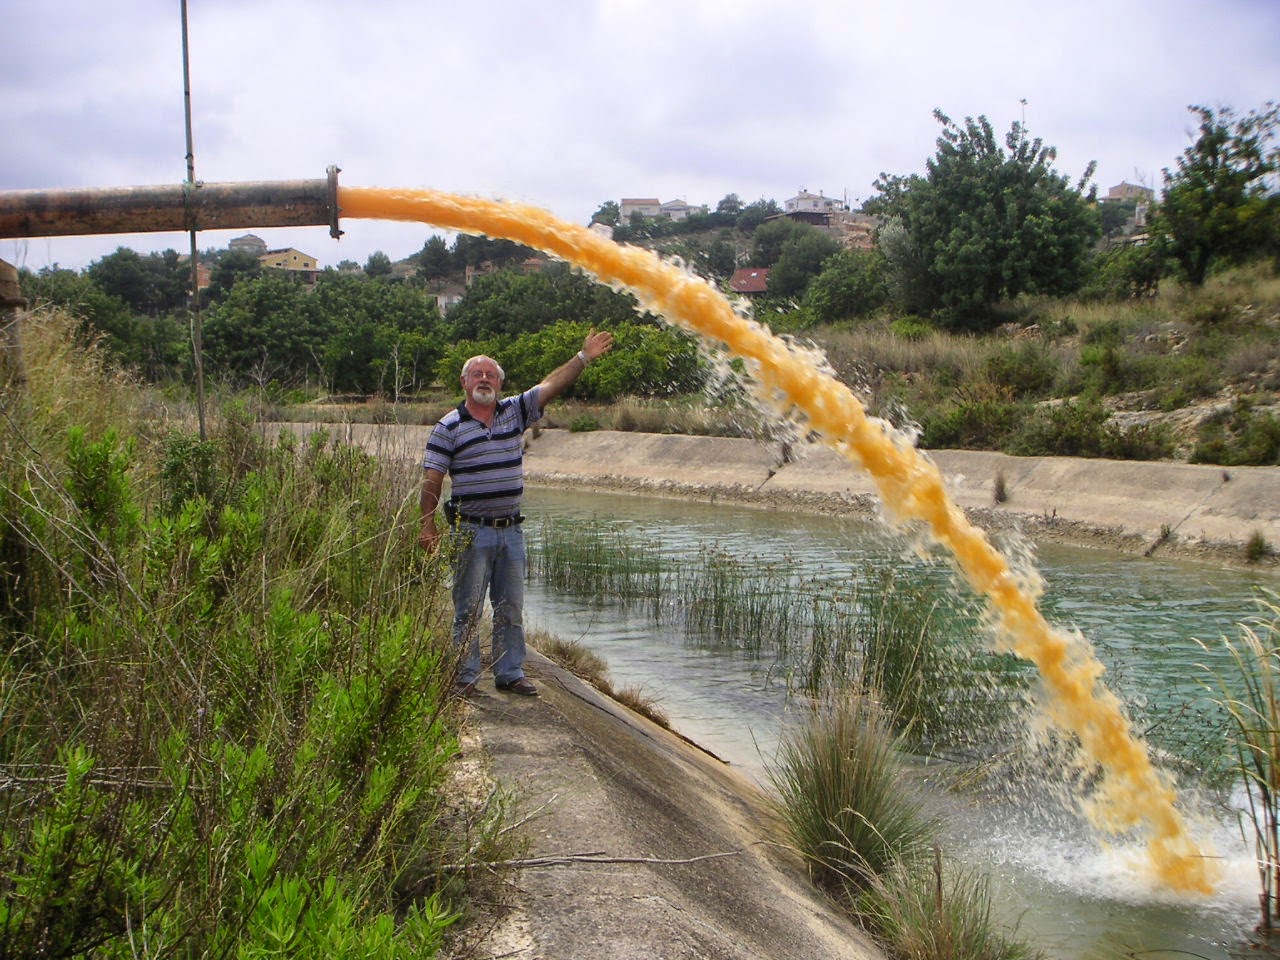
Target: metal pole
197 330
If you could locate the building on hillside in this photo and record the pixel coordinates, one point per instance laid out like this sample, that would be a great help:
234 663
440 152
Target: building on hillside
249 243
680 209
750 281
648 207
1129 191
806 202
204 271
294 261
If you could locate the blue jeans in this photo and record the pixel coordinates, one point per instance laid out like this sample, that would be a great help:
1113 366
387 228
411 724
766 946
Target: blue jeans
490 560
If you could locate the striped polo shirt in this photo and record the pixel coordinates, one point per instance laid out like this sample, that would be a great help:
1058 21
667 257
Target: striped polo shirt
486 464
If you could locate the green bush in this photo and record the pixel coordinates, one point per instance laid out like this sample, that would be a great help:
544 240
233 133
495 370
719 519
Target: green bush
982 416
227 679
1242 437
1083 429
1028 370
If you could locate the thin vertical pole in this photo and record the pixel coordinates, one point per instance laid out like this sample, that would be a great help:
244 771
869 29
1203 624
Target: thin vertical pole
197 333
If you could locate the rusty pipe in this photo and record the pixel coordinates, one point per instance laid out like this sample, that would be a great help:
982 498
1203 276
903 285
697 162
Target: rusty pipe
184 207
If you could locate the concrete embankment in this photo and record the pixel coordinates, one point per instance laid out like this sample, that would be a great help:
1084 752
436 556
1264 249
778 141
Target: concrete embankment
1169 509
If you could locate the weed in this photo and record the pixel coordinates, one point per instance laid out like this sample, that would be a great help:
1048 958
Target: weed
842 793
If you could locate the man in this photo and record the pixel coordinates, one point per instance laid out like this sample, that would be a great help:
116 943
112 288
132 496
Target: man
479 444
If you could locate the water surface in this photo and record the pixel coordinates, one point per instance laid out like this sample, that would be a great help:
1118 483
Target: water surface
1075 898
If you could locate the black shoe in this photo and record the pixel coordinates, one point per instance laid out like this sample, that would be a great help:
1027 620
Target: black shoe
523 686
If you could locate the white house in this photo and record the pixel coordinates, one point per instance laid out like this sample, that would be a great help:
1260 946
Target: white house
806 202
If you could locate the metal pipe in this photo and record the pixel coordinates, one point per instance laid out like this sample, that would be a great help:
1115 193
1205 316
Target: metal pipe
184 207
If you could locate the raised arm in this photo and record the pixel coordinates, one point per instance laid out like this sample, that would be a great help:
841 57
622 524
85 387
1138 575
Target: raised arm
597 344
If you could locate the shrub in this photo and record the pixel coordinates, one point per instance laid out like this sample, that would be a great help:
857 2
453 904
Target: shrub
1242 437
843 796
226 664
1083 430
982 416
1028 370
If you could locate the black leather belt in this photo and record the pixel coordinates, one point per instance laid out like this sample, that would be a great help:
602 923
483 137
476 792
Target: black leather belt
499 522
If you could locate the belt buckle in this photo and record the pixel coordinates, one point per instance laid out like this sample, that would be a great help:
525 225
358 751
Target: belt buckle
501 522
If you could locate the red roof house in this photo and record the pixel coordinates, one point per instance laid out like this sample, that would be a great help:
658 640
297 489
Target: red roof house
750 280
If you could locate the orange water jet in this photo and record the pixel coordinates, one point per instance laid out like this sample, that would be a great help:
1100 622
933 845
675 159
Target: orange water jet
1133 794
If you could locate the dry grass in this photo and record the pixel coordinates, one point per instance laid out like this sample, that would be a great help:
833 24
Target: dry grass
589 666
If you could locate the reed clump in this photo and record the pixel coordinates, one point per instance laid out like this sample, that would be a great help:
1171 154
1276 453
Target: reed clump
901 634
1249 693
224 713
843 794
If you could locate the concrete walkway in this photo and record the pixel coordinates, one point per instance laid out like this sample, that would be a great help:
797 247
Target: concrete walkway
642 845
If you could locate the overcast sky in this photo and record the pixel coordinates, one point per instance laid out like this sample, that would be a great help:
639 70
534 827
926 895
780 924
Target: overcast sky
568 104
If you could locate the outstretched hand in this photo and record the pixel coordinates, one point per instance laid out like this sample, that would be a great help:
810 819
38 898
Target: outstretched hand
597 344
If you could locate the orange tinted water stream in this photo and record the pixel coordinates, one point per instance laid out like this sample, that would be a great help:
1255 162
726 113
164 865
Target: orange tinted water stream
1132 795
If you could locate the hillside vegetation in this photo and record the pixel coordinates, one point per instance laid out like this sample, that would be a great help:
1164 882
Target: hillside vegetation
1000 306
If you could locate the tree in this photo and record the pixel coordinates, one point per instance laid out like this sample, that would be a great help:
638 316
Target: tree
802 258
609 214
378 265
228 270
1219 206
435 262
851 285
729 204
769 239
984 225
754 214
263 331
150 285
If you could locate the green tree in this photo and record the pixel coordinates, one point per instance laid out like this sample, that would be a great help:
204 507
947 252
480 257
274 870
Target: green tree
435 262
802 258
151 285
382 336
851 285
729 204
229 269
1220 205
101 314
378 265
754 214
768 240
507 303
609 214
985 225
263 331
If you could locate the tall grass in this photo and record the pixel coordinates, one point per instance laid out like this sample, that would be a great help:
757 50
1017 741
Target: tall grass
842 792
851 810
224 718
1250 695
905 635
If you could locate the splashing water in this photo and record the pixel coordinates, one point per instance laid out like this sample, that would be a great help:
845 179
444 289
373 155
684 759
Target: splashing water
1132 795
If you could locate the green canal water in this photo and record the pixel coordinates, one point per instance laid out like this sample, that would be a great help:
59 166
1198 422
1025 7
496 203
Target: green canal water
1070 895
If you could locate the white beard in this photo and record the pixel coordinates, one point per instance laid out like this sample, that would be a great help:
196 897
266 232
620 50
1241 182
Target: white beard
484 395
